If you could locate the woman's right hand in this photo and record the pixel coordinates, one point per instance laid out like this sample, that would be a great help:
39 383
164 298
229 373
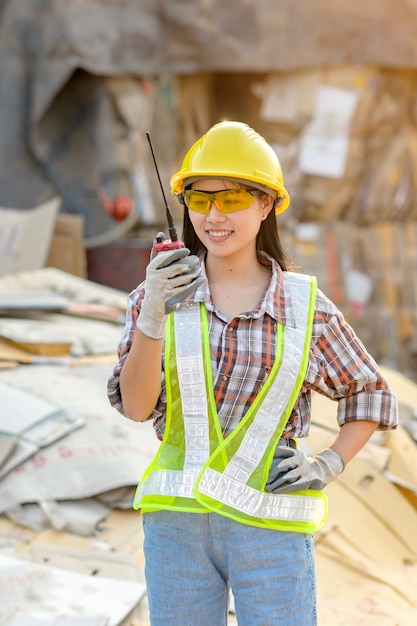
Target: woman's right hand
171 276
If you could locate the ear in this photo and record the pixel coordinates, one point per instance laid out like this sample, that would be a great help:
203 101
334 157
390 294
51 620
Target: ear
267 205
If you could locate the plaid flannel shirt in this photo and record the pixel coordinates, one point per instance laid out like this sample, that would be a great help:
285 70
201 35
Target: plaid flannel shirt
243 352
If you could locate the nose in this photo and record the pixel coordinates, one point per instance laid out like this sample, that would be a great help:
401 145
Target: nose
214 215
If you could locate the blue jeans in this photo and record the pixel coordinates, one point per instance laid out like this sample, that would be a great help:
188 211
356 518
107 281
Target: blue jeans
191 560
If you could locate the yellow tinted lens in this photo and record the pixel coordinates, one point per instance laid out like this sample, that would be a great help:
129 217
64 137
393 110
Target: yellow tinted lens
197 201
226 201
234 200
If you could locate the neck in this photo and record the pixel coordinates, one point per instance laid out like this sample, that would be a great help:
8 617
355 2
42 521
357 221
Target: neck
236 285
233 268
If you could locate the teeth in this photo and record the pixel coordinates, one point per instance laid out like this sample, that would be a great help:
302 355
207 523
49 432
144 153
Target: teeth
219 233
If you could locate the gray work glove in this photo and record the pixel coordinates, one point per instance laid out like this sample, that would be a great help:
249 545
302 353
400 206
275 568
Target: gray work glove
292 470
170 277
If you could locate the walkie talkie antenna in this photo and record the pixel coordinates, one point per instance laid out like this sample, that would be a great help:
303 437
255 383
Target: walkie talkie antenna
171 227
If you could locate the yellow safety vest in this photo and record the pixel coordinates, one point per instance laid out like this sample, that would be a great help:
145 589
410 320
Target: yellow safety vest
196 469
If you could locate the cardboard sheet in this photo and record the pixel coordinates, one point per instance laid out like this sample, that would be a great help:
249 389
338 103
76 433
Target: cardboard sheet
77 516
23 414
73 288
31 301
33 421
109 452
67 251
7 446
91 562
25 236
41 591
324 143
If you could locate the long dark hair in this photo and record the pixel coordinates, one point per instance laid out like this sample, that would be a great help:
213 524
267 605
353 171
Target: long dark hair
267 240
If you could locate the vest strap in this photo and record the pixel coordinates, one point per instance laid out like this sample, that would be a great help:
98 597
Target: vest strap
190 367
230 488
228 491
285 507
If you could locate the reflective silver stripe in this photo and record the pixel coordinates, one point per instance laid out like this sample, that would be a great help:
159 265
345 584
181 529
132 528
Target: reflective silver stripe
190 367
220 487
291 508
230 487
256 439
168 483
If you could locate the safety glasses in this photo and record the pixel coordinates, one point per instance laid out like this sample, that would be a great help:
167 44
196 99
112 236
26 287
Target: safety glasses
227 201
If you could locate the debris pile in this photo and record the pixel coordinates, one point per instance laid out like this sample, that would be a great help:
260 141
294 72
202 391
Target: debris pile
69 465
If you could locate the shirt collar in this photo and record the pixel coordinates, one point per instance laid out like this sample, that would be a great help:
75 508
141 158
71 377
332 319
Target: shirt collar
276 302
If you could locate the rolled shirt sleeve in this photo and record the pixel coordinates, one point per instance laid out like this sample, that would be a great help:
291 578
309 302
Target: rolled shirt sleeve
341 368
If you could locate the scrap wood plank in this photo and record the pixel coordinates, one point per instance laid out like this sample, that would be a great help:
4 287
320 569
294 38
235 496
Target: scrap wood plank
10 353
367 573
398 575
348 596
402 465
56 334
403 387
366 530
382 498
6 365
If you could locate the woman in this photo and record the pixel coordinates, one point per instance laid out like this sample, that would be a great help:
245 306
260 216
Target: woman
230 500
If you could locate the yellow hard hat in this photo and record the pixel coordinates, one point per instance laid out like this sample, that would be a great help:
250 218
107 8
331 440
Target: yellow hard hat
234 151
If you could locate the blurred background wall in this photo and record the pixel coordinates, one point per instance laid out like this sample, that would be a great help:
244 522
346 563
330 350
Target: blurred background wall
331 84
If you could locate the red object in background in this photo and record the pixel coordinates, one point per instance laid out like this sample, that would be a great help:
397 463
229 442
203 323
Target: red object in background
119 208
122 207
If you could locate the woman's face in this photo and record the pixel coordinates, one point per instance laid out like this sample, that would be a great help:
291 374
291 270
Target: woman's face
227 234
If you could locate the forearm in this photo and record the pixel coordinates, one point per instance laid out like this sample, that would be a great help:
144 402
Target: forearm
352 437
140 378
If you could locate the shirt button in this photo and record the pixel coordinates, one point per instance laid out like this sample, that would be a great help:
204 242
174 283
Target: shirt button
230 329
224 378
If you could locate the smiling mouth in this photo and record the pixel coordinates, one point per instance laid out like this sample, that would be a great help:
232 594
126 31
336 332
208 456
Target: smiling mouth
219 233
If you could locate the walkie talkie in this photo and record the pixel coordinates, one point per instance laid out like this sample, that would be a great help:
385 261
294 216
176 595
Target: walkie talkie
161 244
